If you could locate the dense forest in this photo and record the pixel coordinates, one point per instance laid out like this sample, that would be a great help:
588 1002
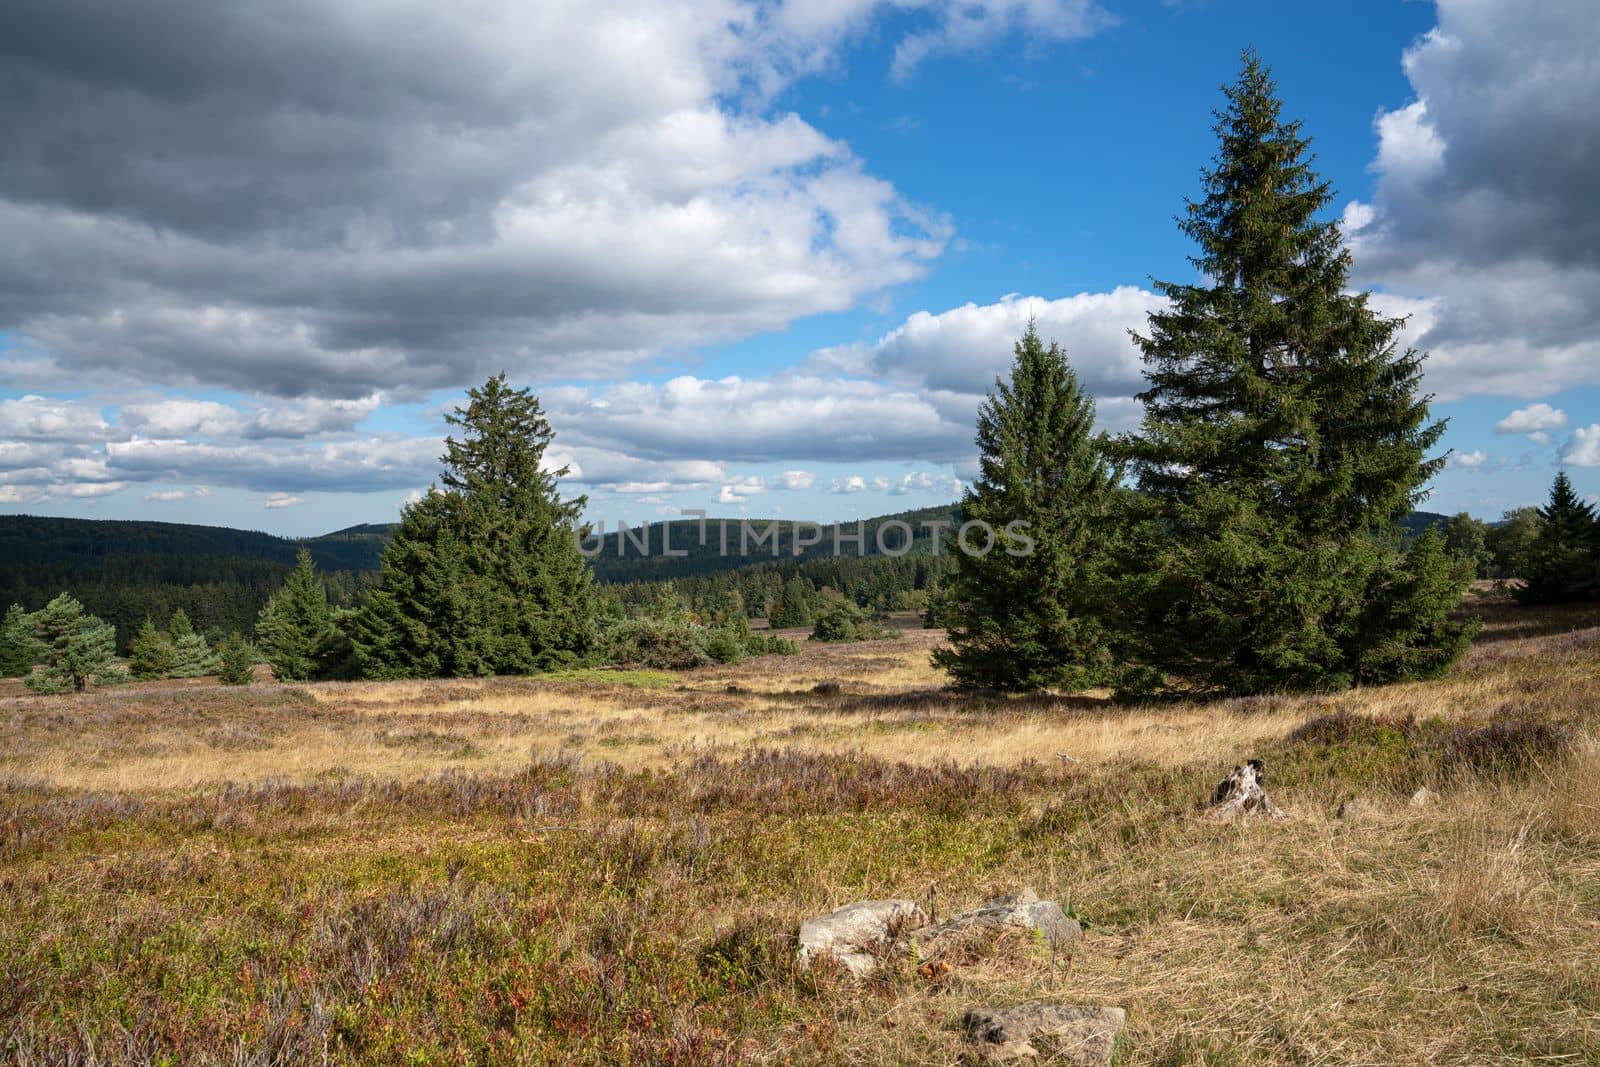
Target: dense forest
125 571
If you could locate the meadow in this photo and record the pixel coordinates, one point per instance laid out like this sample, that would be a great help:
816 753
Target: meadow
610 866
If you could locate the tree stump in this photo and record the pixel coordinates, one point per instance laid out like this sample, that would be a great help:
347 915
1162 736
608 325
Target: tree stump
1241 793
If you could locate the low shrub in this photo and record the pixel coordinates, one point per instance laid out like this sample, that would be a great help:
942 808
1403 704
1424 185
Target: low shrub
843 621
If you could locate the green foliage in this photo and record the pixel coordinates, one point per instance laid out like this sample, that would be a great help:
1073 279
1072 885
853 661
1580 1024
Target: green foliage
844 621
1022 614
794 607
1563 563
655 644
77 648
1511 541
296 624
19 648
1283 441
483 576
192 656
151 654
1468 539
236 661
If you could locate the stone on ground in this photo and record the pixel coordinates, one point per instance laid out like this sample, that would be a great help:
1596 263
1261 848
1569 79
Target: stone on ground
1022 911
1077 1033
855 934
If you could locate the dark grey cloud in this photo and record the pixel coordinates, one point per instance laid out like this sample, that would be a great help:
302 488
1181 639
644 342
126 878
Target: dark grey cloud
1485 211
307 198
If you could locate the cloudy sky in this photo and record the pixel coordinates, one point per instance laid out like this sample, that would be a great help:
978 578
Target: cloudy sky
757 257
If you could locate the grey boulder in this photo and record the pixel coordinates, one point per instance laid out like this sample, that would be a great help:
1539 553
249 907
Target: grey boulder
856 933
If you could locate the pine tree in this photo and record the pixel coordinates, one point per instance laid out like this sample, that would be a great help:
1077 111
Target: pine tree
1283 440
78 648
794 608
1564 561
295 623
192 656
483 575
150 655
19 648
236 661
1021 615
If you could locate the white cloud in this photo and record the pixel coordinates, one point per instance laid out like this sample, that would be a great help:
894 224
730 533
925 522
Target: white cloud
1533 421
1583 448
1469 460
797 480
166 496
282 500
37 418
857 483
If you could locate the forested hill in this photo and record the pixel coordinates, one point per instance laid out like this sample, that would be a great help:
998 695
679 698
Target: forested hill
124 571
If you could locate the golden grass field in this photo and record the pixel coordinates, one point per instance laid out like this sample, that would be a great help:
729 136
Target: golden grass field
609 867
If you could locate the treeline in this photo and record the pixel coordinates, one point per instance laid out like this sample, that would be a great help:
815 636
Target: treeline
790 593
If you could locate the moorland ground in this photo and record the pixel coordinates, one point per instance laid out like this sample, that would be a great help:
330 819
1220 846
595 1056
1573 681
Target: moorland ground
610 867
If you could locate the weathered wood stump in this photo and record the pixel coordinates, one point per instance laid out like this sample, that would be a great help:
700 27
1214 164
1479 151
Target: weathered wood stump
1241 793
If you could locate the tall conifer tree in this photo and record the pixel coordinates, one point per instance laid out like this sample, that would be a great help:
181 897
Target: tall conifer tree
1021 615
1564 560
296 625
1283 439
484 575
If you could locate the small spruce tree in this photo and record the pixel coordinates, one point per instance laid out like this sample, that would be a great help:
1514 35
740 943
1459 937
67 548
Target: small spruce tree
1021 615
150 654
19 648
1563 563
77 648
295 624
236 661
192 656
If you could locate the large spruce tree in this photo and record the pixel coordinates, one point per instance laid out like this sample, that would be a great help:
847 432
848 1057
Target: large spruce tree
1022 615
483 575
1563 563
1284 437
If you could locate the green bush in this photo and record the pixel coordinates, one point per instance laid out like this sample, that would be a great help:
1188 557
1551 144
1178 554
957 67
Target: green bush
843 621
672 646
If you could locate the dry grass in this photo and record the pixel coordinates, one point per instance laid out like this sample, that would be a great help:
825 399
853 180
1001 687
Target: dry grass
380 872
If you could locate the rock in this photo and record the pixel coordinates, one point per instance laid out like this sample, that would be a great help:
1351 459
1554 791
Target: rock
853 934
1079 1033
1240 793
1422 798
1022 911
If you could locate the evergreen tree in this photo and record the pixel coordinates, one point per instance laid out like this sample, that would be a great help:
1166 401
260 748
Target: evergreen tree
16 642
1283 440
19 648
236 661
794 607
1021 615
192 656
1564 561
77 648
295 624
151 653
483 575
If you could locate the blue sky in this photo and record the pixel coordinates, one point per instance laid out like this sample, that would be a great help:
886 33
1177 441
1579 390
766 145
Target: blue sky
756 258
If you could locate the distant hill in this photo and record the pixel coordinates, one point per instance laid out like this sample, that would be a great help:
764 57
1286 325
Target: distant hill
125 570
